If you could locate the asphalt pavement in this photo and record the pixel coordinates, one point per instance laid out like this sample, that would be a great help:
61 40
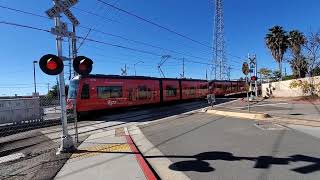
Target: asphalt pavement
35 149
205 146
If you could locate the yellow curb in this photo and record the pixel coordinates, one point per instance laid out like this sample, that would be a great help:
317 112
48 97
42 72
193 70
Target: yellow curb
252 115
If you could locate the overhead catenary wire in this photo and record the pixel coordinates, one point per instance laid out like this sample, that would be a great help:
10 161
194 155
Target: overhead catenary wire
118 36
161 26
106 43
101 42
95 14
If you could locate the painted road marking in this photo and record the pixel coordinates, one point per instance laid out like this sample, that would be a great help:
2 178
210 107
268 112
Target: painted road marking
91 151
11 157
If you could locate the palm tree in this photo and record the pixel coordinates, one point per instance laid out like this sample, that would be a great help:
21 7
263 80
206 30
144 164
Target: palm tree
277 42
265 72
296 40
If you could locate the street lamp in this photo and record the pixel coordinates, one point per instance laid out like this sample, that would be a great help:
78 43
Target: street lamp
34 77
134 66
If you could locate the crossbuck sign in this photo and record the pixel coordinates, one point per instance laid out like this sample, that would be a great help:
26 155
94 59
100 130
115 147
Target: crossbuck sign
63 7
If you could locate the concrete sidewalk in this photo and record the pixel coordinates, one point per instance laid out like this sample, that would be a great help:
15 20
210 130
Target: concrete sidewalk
106 155
280 108
301 116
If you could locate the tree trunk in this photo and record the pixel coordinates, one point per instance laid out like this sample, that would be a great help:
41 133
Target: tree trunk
280 70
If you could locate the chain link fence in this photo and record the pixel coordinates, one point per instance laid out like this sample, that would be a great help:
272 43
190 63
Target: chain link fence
21 114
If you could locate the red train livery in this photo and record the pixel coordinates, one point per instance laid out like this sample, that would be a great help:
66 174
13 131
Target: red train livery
98 92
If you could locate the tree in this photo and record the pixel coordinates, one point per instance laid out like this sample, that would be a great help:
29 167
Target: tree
299 66
277 42
265 72
312 48
276 75
316 71
54 92
298 63
296 40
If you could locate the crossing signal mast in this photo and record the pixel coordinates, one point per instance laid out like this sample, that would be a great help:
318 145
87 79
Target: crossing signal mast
53 64
219 58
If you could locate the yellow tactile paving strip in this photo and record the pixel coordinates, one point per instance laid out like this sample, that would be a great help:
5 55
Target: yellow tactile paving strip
91 151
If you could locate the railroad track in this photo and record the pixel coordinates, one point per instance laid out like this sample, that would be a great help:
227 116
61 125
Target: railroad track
133 115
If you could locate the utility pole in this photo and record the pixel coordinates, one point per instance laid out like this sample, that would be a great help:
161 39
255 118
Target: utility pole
256 74
70 73
134 66
183 68
74 46
48 88
229 73
206 74
34 77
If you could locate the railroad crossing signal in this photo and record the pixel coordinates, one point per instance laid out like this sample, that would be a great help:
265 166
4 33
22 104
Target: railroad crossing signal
245 68
51 64
63 7
82 65
254 78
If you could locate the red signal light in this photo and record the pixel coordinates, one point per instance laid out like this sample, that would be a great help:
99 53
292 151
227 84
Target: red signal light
82 65
254 78
51 64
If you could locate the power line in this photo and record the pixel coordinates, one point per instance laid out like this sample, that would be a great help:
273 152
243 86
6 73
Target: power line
105 43
160 26
24 26
153 23
24 12
95 14
114 35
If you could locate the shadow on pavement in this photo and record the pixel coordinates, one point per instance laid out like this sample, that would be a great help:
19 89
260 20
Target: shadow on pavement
198 163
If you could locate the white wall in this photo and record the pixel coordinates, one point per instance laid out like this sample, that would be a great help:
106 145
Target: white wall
282 88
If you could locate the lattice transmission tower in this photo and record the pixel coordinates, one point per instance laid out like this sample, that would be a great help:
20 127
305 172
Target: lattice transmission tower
219 56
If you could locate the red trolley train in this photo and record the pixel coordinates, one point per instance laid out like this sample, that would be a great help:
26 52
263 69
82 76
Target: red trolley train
99 92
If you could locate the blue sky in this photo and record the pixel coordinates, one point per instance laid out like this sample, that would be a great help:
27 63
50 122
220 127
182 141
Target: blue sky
246 23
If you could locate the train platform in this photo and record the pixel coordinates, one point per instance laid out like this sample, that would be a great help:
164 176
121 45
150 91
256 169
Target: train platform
107 155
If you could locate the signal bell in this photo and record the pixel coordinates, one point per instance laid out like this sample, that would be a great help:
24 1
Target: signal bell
82 65
51 64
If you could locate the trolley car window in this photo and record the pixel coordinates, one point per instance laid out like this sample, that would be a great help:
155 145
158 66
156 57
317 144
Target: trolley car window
203 87
85 92
219 86
171 91
109 92
192 91
144 92
73 89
